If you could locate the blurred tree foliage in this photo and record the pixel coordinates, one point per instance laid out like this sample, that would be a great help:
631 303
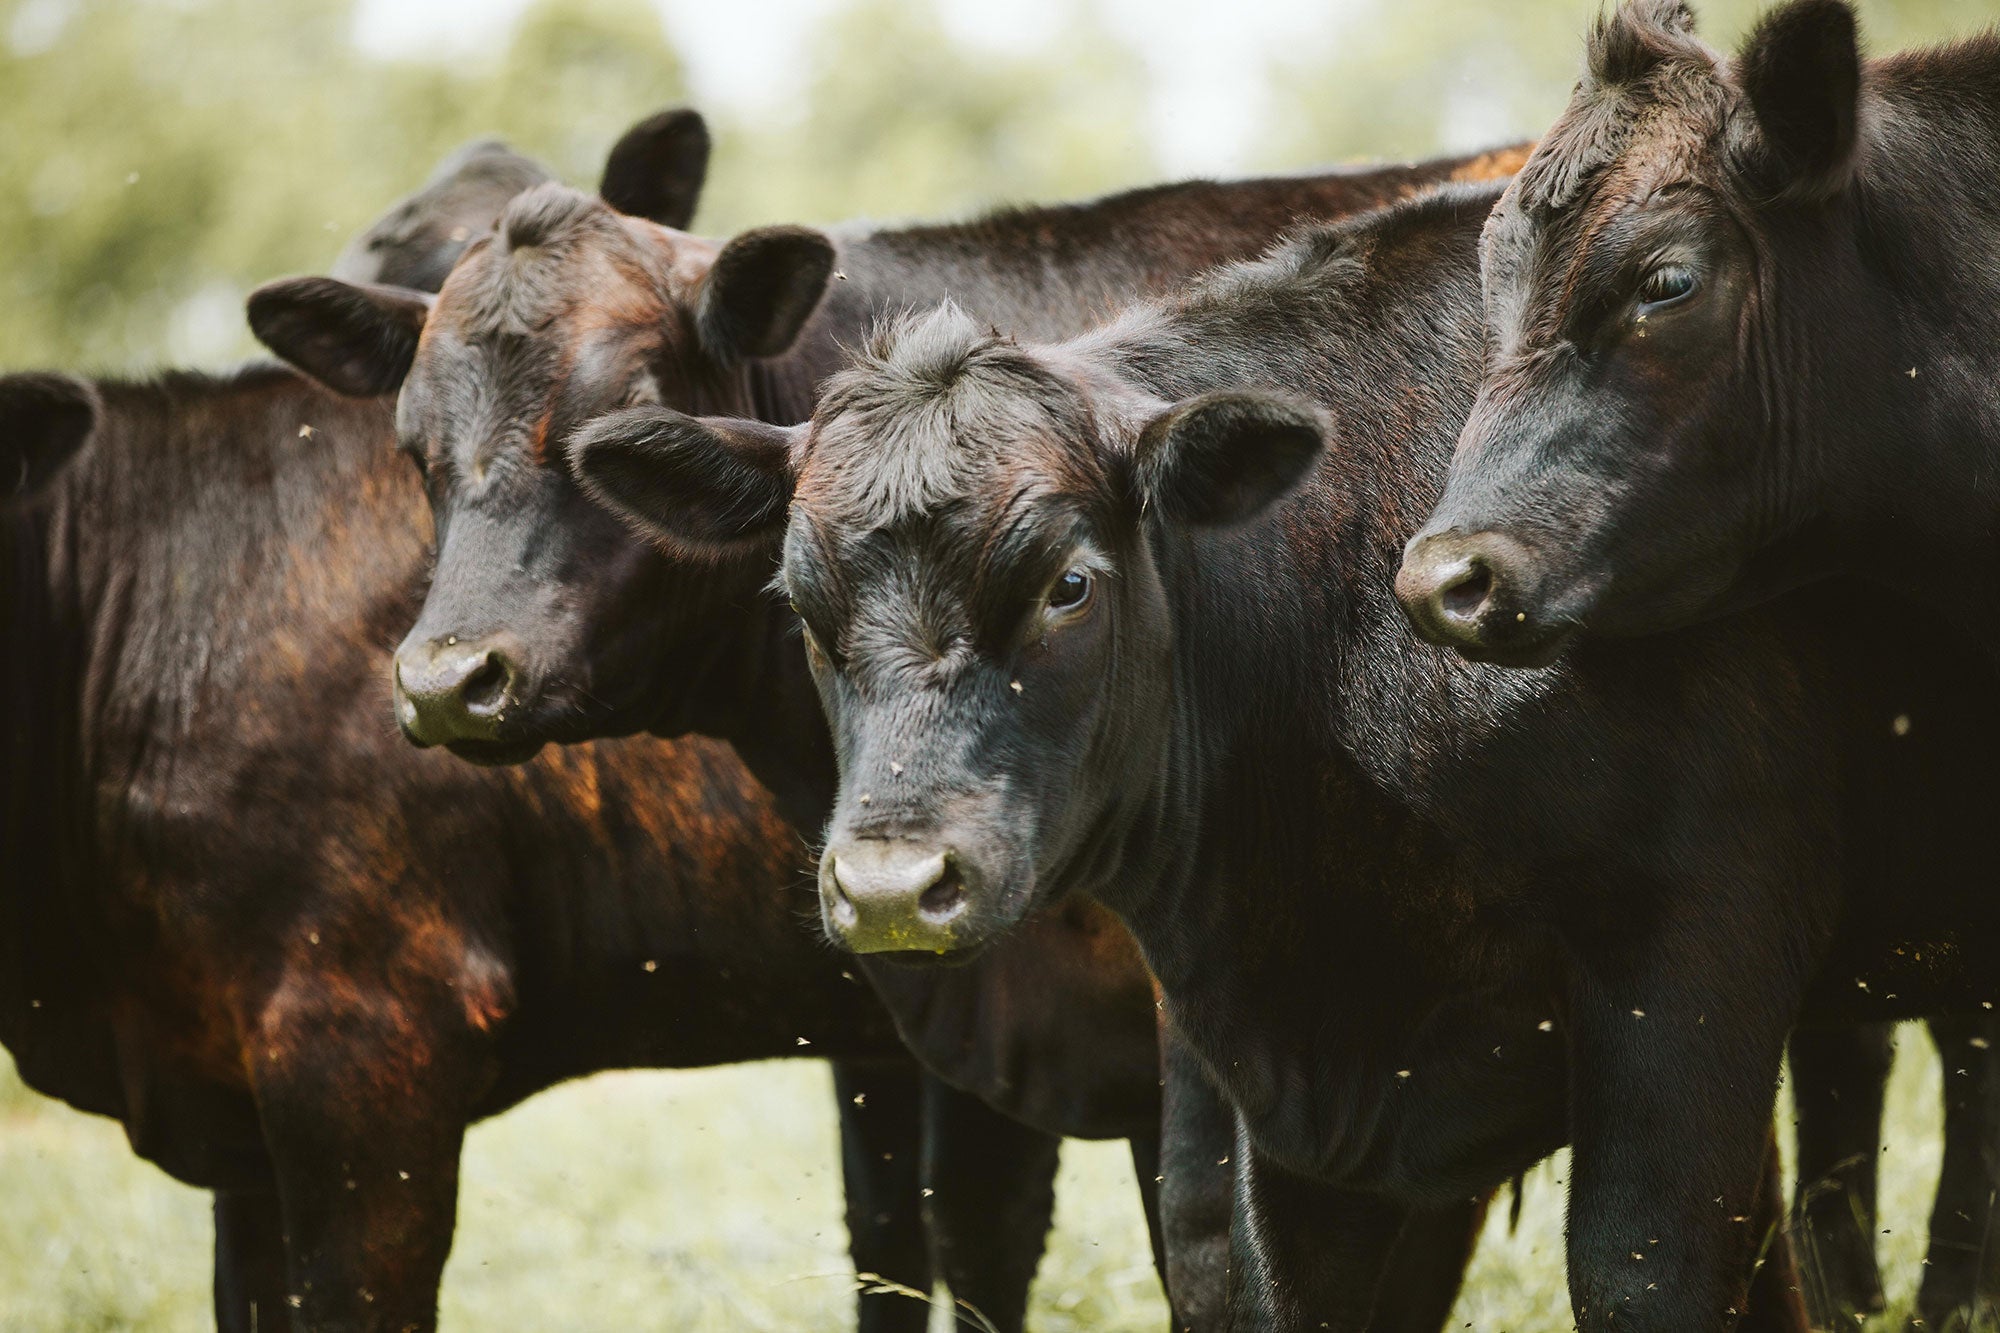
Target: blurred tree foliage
1406 78
163 156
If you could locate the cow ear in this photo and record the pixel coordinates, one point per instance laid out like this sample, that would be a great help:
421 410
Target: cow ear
656 170
715 485
43 420
357 339
764 285
1800 68
1224 458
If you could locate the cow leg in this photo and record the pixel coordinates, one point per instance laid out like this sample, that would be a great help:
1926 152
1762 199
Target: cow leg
1146 1169
1776 1302
250 1263
882 1164
1959 1287
1674 1071
1838 1076
1427 1269
1198 1194
1305 1255
992 1197
364 1090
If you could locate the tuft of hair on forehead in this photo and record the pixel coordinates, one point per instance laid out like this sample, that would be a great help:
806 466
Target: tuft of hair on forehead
544 260
1642 61
933 404
1629 42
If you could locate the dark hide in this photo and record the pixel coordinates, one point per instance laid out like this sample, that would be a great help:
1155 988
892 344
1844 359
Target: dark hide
1394 900
571 313
1743 330
295 957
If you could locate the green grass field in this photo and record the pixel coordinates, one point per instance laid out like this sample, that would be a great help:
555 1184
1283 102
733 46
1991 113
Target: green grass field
709 1201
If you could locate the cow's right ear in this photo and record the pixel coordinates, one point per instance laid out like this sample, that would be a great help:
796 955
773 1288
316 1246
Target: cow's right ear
763 287
1224 458
710 485
656 170
357 339
1801 71
43 420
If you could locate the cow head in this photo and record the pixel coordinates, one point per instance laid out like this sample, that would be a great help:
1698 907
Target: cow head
547 619
971 552
417 241
1649 279
44 420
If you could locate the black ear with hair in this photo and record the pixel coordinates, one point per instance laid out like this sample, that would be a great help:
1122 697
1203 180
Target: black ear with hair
656 169
1801 70
356 339
1224 458
716 485
43 420
763 287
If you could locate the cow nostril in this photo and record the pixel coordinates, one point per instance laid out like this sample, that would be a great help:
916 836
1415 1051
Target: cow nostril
1462 598
946 895
485 690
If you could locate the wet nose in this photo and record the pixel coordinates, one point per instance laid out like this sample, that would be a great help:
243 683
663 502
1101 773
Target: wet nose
453 690
1458 590
881 895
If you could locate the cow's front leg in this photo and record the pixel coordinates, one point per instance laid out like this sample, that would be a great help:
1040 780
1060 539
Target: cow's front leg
1428 1268
1675 1049
992 1196
1838 1075
364 1095
1776 1302
1197 1188
250 1285
1961 1283
1306 1255
881 1154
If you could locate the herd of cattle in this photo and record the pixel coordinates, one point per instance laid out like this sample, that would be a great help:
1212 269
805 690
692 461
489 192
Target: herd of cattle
1164 785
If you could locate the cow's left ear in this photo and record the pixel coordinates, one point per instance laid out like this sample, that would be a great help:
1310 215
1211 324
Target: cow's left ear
43 420
1224 458
355 338
714 486
1800 68
656 170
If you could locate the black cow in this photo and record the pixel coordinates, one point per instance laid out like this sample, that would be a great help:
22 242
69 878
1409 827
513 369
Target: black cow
1744 329
293 956
1393 899
547 620
1740 321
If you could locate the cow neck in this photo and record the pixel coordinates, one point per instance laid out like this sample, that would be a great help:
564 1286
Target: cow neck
47 975
1902 470
752 689
1295 678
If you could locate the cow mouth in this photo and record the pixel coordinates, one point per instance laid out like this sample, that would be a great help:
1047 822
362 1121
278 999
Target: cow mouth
929 960
1521 651
495 754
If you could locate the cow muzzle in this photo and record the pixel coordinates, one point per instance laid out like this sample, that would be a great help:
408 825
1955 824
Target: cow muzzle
1474 592
892 895
454 691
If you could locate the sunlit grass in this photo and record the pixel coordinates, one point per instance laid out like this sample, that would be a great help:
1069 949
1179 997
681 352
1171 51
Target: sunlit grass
711 1201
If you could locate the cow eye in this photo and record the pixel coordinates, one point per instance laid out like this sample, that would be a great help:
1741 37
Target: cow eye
1665 285
816 653
1070 591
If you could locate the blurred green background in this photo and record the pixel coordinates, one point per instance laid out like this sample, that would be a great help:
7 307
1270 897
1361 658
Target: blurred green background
160 157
